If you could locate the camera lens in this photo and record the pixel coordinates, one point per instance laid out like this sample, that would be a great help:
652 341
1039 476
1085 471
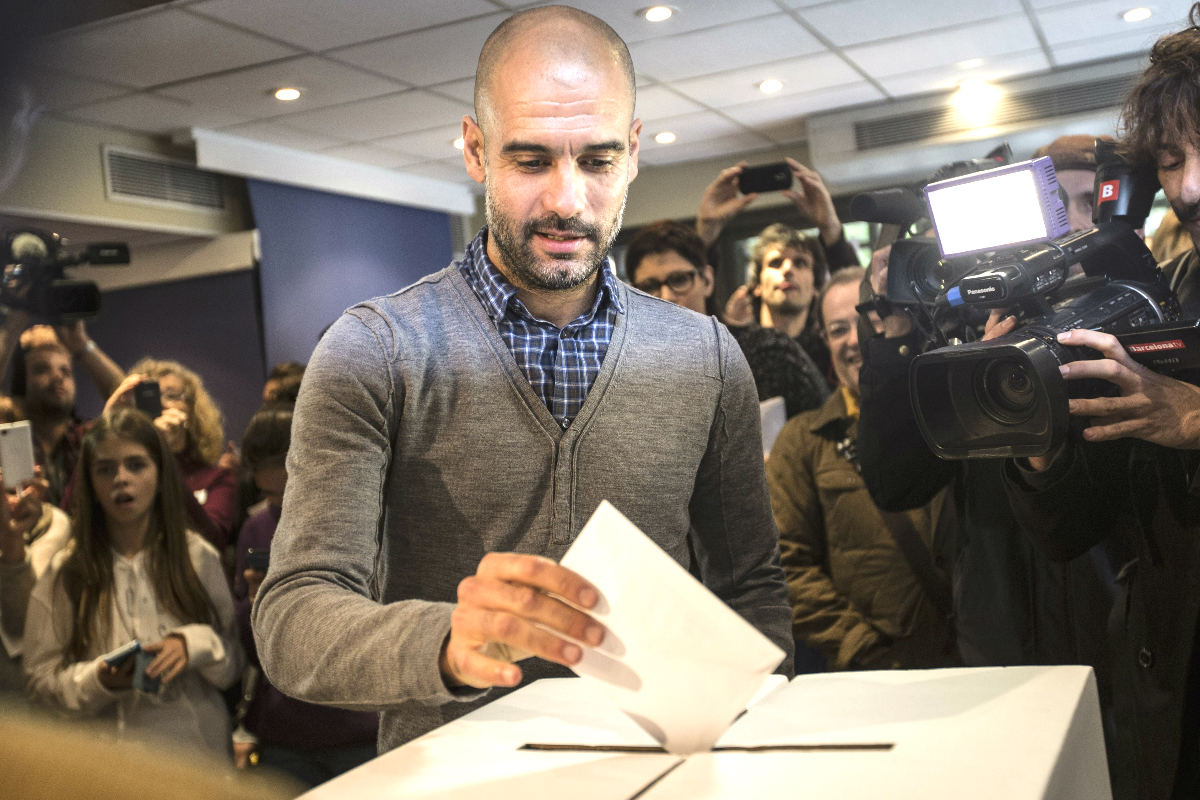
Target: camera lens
1006 391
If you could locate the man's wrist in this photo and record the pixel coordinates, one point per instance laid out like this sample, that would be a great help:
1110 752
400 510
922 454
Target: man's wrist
448 677
831 233
88 347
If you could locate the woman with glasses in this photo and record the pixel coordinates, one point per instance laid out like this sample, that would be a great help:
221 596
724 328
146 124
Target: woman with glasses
666 259
193 427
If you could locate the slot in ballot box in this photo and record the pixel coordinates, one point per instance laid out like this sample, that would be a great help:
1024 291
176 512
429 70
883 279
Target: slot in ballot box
1012 733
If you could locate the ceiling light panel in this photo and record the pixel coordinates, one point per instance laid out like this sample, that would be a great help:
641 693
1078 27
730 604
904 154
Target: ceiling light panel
320 24
656 102
1075 23
949 77
431 144
150 113
1104 47
324 82
799 75
697 127
380 116
283 136
682 150
688 55
859 21
690 15
433 56
771 111
942 48
448 169
163 46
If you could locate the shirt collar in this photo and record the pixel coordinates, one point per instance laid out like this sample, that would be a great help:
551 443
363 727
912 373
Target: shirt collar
499 296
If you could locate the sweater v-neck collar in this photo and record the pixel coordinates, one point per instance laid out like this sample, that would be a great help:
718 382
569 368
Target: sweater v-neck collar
616 344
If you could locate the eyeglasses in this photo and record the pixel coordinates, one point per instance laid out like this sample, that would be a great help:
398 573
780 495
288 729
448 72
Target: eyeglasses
838 329
677 282
175 397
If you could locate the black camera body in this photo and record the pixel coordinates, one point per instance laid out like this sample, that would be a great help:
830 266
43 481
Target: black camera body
1006 397
35 277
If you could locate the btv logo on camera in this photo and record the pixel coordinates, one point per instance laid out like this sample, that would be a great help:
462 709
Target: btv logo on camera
1108 191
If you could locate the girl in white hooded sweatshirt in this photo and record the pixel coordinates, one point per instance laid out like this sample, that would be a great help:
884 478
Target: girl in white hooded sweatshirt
132 571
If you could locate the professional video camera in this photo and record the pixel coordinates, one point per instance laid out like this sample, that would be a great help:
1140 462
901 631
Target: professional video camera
35 278
1003 241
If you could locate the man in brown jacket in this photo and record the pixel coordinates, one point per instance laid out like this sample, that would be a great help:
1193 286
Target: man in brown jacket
868 588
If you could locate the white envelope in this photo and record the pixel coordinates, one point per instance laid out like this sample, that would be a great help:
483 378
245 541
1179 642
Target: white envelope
676 659
773 412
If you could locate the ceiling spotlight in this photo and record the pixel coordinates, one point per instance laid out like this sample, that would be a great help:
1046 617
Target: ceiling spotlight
656 13
976 99
770 86
666 137
459 143
970 63
1137 14
287 93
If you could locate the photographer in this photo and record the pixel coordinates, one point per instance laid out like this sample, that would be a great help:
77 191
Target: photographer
787 268
49 356
1133 470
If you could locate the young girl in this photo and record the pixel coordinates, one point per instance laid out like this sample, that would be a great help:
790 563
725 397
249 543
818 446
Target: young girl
133 571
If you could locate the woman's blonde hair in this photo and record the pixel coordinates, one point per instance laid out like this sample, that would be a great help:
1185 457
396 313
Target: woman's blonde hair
206 424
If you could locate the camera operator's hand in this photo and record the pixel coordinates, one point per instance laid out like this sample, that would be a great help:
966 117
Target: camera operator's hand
173 426
123 396
721 202
739 310
897 324
1152 407
510 609
999 322
814 201
74 337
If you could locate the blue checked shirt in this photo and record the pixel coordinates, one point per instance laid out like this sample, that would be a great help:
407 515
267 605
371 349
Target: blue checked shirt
560 365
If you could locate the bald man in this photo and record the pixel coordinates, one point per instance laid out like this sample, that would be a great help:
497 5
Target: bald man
451 440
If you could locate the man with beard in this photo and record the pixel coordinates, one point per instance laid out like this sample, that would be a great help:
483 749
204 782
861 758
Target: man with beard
869 589
451 440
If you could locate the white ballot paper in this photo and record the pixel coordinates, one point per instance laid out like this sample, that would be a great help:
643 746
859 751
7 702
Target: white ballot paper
773 412
676 659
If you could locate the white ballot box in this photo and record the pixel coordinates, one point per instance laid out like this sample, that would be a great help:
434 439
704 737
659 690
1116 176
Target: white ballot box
1012 733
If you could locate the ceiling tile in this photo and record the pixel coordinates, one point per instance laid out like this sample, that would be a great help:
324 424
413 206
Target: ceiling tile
1103 48
380 116
1103 18
463 90
425 57
249 91
433 144
153 114
797 75
941 48
448 169
704 52
656 102
859 21
772 110
688 128
368 154
274 133
786 131
950 77
56 91
160 47
690 15
731 145
320 24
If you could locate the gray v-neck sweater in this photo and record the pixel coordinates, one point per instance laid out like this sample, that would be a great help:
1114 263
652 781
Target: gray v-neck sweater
418 447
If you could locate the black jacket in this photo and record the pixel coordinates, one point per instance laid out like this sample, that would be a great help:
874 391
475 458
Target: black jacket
1013 605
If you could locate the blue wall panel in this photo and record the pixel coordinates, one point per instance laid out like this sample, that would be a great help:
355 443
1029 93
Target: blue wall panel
322 253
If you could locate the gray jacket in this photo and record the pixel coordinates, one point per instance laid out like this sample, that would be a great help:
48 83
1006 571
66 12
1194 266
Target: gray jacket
418 447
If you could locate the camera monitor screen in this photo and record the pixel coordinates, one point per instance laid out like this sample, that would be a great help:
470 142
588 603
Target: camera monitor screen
998 208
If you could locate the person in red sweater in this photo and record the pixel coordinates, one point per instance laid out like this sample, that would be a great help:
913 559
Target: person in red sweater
193 427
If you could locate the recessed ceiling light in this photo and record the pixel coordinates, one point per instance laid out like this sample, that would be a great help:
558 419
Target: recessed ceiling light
976 99
770 86
287 93
459 143
970 63
656 13
666 137
1137 14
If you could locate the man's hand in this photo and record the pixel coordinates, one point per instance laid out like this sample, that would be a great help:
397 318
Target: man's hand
721 202
173 426
511 608
814 201
739 310
999 322
171 660
897 324
12 537
74 336
231 459
39 336
1152 407
123 396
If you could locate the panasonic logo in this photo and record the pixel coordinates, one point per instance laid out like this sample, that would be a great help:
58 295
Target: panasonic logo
987 290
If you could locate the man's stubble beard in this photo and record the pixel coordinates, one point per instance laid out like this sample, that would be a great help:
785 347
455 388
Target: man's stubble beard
514 241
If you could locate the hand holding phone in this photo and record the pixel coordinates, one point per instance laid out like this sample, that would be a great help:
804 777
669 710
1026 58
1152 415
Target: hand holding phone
147 398
16 454
766 178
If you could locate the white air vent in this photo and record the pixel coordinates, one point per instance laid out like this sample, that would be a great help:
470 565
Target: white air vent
151 178
1056 101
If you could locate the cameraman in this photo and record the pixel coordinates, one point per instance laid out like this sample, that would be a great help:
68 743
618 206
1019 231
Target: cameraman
1135 470
1013 605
